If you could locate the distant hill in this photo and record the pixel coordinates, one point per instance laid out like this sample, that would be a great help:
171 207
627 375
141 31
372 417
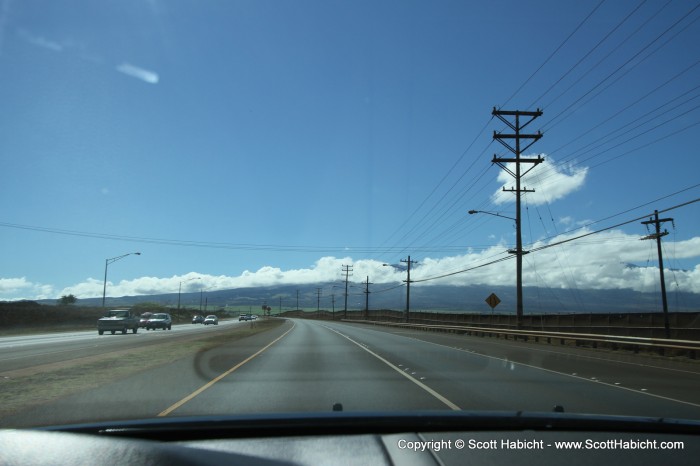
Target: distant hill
424 298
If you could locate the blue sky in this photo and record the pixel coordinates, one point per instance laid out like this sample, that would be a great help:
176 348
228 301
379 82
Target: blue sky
263 142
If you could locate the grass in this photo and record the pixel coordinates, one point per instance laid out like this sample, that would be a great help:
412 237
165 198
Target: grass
21 391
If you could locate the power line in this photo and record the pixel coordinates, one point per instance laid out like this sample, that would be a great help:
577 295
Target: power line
619 68
629 36
217 245
554 52
551 245
627 107
445 176
626 211
595 47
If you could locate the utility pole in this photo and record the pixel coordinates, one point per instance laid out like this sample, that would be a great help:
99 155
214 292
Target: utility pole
333 304
656 221
517 127
318 299
347 269
297 300
367 284
408 262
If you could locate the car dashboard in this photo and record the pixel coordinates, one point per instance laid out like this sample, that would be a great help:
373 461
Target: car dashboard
426 438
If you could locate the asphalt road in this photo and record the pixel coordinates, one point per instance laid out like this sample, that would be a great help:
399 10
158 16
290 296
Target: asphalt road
22 352
307 365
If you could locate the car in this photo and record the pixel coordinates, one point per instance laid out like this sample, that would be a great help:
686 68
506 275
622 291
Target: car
244 317
118 320
211 319
143 320
160 320
198 319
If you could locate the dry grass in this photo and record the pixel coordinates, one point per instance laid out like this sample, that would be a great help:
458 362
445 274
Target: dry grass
41 384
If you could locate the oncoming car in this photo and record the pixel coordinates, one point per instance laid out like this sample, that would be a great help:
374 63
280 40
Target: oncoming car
159 320
198 319
211 319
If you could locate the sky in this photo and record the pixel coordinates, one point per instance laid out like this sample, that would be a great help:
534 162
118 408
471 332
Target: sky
253 143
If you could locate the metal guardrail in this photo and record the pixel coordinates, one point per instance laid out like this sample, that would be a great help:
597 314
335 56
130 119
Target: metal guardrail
684 325
662 346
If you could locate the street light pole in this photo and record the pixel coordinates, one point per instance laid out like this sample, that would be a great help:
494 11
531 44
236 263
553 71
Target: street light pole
518 252
495 214
179 290
107 262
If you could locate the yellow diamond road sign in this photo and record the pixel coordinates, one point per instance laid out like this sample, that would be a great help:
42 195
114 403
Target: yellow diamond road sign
492 300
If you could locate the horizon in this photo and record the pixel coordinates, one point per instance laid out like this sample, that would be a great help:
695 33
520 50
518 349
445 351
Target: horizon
436 298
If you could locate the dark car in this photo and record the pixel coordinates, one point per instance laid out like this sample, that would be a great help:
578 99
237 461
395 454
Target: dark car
160 320
198 319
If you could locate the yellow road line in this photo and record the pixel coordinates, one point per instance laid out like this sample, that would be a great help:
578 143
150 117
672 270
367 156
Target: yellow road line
218 378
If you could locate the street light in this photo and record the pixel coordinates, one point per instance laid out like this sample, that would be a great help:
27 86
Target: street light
472 212
518 252
107 262
179 290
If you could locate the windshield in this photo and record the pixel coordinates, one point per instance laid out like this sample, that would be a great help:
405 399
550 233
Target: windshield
385 205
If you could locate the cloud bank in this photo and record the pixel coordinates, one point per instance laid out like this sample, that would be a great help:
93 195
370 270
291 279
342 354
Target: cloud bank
602 261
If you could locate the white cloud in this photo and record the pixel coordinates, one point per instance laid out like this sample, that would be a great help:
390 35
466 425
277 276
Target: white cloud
40 41
600 261
138 73
549 180
89 288
21 288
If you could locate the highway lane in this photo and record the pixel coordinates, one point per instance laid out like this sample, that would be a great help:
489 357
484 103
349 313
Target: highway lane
320 363
22 352
651 374
311 369
311 365
478 373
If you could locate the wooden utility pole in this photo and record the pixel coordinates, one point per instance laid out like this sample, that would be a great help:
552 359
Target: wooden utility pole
347 269
408 262
517 127
367 284
656 221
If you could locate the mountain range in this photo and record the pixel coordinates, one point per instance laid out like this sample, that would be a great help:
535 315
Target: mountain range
422 298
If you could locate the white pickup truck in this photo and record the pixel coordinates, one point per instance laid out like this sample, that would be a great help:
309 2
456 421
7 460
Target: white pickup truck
121 320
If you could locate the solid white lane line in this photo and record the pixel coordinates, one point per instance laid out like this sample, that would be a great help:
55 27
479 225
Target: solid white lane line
444 400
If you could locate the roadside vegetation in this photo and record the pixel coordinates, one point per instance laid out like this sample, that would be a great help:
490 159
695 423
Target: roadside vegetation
28 317
29 387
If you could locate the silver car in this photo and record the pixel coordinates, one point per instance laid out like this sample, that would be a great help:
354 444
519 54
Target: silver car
159 320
